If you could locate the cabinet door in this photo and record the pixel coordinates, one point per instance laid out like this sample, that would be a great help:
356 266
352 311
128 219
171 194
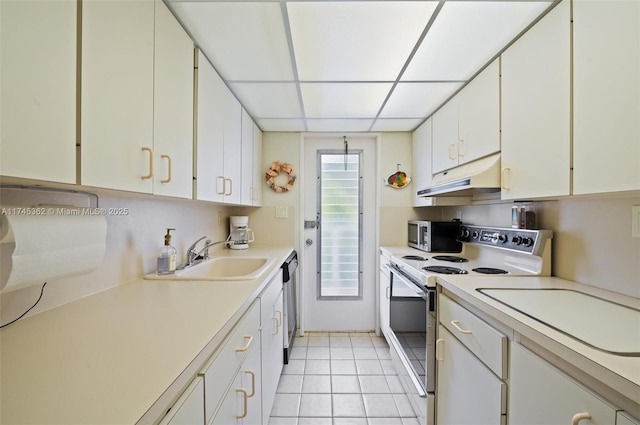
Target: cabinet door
272 354
624 419
231 406
117 94
251 379
479 116
232 147
258 173
210 133
445 137
385 291
534 383
189 409
606 57
246 196
38 85
467 392
422 145
173 107
536 110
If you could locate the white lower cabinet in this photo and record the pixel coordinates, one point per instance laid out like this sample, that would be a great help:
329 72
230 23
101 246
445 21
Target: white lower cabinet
271 302
541 394
384 293
471 358
624 419
189 409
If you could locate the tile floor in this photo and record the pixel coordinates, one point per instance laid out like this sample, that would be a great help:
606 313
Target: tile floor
340 378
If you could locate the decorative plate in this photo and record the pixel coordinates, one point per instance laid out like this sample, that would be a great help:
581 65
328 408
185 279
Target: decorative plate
398 180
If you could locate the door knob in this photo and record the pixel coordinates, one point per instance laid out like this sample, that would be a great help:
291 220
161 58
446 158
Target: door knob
308 242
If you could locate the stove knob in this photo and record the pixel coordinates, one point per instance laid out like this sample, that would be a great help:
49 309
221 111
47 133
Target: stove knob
527 241
517 240
476 234
503 238
464 233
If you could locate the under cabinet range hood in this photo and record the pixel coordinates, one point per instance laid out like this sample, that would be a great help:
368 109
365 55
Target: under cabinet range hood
478 177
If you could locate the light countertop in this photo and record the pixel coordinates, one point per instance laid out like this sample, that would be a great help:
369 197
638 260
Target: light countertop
110 357
620 373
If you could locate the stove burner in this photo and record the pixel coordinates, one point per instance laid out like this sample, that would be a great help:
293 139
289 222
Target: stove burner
489 270
444 270
450 258
414 257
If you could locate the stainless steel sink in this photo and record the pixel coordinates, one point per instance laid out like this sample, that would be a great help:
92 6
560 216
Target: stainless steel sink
596 322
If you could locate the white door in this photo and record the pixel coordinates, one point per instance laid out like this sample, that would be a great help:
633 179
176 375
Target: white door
339 276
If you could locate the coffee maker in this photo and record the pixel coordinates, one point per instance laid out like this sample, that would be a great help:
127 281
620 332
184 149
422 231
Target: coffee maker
239 233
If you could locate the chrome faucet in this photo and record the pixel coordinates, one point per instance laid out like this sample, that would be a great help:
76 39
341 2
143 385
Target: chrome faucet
194 256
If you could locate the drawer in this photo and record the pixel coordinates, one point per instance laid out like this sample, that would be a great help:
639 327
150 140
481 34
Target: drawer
268 299
189 409
489 345
223 365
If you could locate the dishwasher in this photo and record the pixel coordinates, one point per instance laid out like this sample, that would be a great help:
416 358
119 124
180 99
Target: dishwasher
289 283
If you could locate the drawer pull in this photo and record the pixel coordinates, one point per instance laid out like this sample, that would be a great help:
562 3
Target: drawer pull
456 324
224 183
230 187
451 157
249 339
244 402
460 146
168 179
253 382
276 325
439 343
580 416
503 184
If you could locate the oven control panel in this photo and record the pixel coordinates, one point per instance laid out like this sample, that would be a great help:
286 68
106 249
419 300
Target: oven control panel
521 240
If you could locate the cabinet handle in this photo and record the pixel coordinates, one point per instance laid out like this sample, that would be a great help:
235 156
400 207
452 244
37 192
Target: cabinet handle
168 158
439 343
461 144
230 187
580 416
387 292
456 324
504 178
451 157
221 178
253 382
150 175
247 345
244 402
278 322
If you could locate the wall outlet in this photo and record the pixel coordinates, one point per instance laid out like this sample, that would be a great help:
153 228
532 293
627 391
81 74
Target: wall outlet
635 221
282 212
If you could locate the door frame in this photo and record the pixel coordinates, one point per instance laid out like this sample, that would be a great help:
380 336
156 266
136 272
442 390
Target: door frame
376 219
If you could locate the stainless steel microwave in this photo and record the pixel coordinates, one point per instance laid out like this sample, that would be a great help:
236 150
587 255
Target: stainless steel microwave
434 236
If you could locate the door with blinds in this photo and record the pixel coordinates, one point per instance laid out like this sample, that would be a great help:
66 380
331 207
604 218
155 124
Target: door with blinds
339 254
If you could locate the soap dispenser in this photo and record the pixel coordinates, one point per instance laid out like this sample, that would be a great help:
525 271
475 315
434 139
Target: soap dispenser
167 256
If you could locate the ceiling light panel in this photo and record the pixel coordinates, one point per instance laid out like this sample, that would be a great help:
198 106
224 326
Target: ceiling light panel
243 40
417 99
274 124
339 124
268 100
466 35
396 124
343 100
355 40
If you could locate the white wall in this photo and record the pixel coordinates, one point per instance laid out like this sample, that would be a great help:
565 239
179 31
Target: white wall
132 244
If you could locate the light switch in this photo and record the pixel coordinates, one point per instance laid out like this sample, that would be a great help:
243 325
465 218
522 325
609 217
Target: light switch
281 212
635 221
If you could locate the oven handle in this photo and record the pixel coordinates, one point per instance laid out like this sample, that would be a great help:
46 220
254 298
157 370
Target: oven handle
395 271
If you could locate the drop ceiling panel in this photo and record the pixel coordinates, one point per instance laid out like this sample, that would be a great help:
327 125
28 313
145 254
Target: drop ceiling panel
339 124
243 40
396 124
417 99
343 100
275 124
268 100
466 35
355 41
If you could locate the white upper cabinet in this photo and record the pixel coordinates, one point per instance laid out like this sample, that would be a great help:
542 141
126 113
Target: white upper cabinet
210 183
606 57
173 107
38 86
251 161
536 110
421 163
117 94
232 169
258 172
468 126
